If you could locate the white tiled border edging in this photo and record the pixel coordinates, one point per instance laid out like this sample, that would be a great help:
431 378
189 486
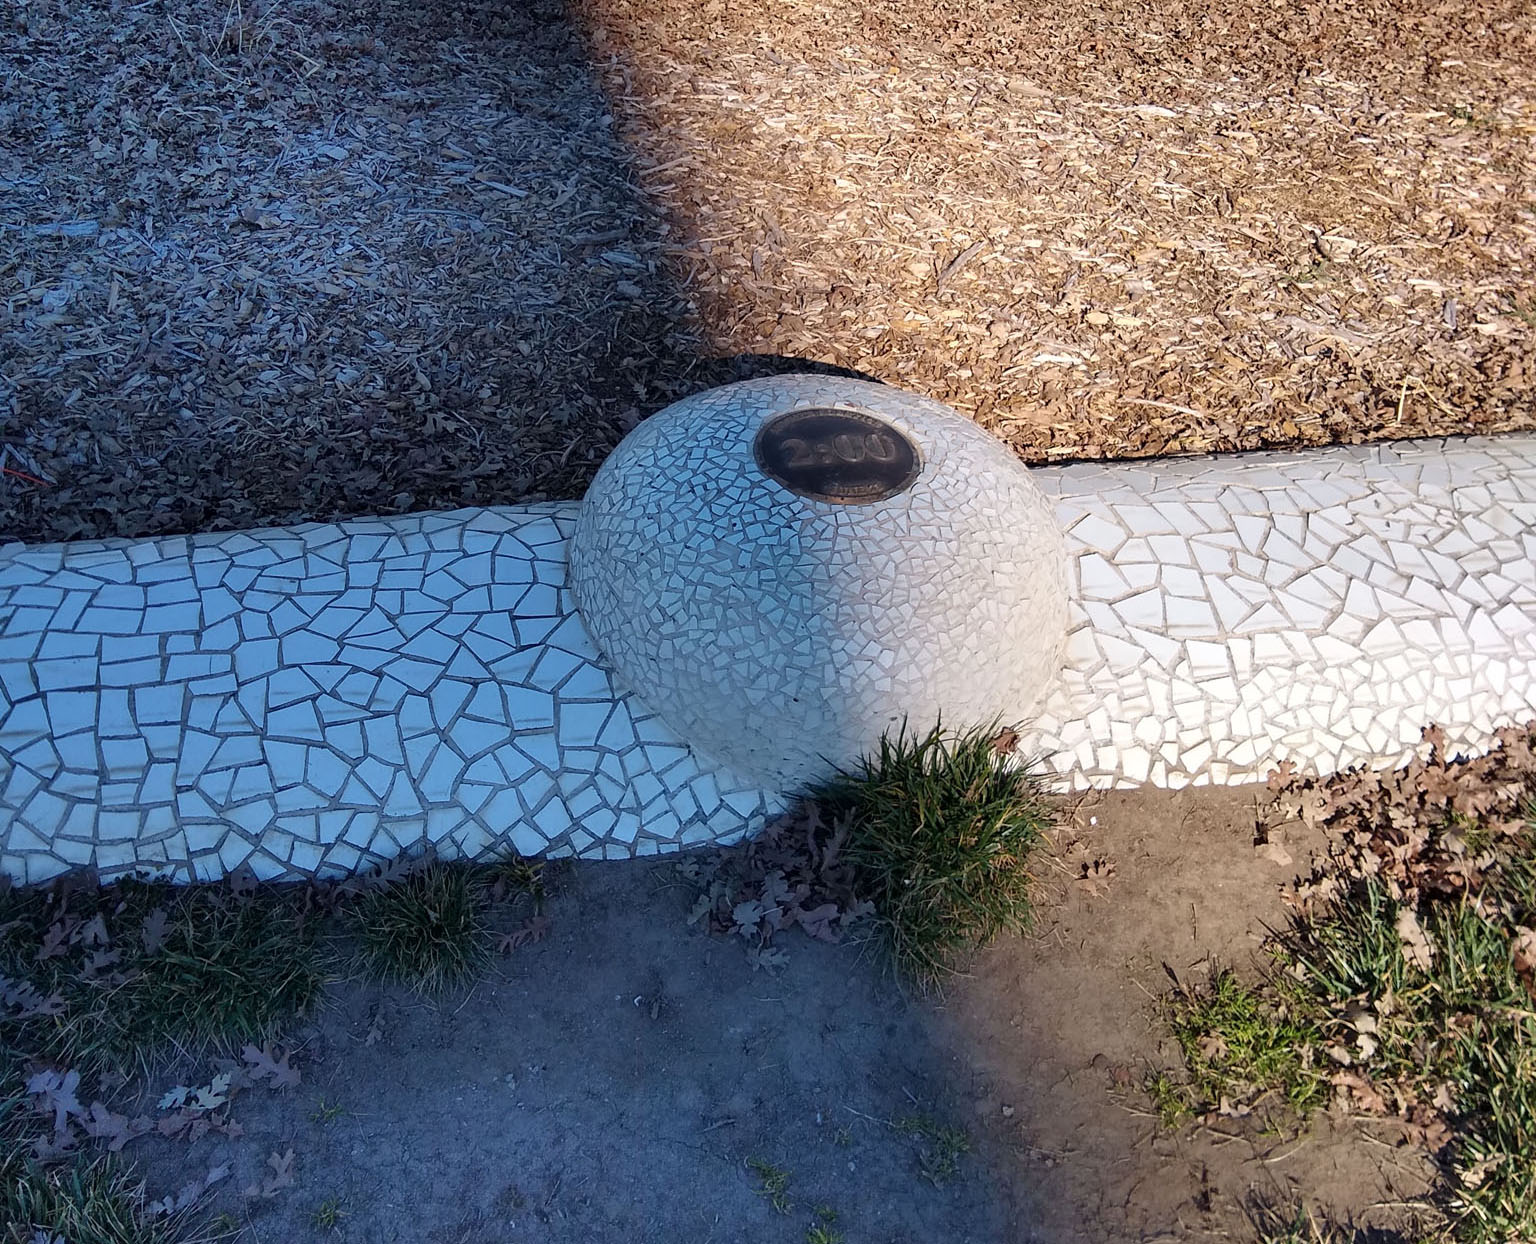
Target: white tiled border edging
306 701
312 700
1320 607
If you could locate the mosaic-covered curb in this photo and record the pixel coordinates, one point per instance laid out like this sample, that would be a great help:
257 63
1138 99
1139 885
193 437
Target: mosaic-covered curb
307 701
1319 607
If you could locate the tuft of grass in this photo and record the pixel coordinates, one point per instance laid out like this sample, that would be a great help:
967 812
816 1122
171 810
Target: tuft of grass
134 970
1173 1101
426 929
328 1215
1242 1043
326 1112
1462 1028
510 875
823 1230
1275 1223
1430 1002
940 830
939 1157
773 1184
96 1203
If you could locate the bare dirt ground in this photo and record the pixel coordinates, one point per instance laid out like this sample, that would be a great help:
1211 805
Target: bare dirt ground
277 262
614 1080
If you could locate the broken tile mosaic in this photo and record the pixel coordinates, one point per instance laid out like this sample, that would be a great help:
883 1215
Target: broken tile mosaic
310 701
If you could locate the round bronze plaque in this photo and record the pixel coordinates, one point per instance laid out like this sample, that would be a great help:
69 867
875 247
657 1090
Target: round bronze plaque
842 456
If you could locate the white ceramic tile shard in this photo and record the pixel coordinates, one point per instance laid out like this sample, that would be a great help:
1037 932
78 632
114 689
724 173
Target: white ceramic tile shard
1321 607
308 702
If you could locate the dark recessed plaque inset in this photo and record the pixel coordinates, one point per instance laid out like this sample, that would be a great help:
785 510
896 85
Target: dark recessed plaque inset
843 456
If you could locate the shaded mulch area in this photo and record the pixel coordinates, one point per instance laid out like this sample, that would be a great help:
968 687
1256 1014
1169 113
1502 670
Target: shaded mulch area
307 259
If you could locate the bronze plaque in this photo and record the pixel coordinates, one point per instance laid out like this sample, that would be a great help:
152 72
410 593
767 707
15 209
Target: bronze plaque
842 456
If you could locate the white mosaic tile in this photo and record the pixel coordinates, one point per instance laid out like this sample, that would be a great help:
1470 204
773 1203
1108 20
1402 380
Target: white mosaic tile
1380 588
268 751
310 701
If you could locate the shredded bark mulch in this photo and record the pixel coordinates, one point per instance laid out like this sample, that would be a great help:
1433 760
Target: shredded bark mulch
312 259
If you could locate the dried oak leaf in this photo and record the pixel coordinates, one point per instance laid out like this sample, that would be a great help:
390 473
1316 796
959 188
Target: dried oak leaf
116 1129
281 1176
57 1093
153 932
1523 954
1356 1092
26 1001
56 939
1426 1128
1093 875
531 930
271 1064
1417 948
1473 1176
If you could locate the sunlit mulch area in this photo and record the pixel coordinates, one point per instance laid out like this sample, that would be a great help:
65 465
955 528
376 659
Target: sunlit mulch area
1109 229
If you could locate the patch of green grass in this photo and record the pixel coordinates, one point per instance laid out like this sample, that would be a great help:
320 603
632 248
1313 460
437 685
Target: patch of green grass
95 1203
1242 1043
325 1112
134 970
513 874
773 1184
939 1157
1173 1101
426 930
823 1233
1311 274
1463 1028
1433 1006
941 828
327 1215
1525 312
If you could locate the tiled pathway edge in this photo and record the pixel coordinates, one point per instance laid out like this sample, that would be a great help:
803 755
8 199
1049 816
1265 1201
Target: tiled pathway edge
311 700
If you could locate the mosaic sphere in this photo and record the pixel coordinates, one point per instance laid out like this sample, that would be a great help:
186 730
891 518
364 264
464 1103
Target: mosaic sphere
787 568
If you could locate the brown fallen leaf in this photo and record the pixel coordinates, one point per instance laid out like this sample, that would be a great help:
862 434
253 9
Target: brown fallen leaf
1357 1093
1427 1128
271 1063
531 930
1093 876
281 1176
116 1129
1417 948
154 929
